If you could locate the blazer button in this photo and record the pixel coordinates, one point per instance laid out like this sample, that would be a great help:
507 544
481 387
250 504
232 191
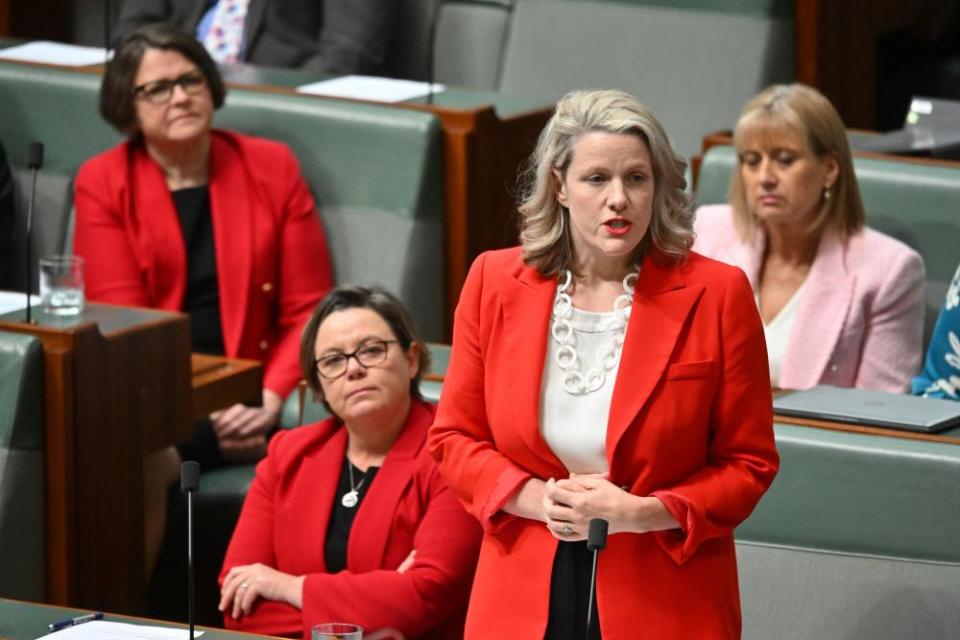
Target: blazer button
267 287
263 345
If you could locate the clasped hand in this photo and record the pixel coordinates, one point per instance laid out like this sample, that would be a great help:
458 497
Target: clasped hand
570 503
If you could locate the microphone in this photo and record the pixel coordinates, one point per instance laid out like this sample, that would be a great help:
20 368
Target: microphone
34 164
189 481
596 542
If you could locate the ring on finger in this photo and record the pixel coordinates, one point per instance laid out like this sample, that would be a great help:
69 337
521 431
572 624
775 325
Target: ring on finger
566 530
243 585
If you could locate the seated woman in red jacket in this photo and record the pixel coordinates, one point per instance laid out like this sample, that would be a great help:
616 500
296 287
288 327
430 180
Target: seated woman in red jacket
213 223
348 520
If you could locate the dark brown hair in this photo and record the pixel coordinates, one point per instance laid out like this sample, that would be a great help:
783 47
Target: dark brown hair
116 90
377 299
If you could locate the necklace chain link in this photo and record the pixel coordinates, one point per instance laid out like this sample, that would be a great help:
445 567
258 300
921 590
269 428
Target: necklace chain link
567 357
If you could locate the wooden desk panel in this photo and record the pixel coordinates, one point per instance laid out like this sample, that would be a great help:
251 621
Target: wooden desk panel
218 382
116 386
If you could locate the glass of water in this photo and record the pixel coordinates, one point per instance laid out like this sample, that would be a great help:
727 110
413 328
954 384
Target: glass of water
61 285
337 631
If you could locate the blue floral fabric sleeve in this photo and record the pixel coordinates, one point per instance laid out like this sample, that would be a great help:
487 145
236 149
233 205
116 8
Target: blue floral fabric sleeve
940 377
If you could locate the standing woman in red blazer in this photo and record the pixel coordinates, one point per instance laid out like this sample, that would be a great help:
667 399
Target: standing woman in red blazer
602 370
216 224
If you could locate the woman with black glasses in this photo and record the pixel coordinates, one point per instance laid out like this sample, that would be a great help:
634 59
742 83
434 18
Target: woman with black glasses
348 519
217 224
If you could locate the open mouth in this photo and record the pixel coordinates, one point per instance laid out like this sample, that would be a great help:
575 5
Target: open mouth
618 226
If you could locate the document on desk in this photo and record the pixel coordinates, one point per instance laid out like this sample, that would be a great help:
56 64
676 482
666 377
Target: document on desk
68 55
370 88
104 630
15 300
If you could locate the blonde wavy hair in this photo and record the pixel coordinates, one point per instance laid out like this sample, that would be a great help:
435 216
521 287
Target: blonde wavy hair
544 223
782 108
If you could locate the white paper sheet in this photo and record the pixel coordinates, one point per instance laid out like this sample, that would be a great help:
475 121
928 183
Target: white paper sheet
70 55
15 300
370 88
103 630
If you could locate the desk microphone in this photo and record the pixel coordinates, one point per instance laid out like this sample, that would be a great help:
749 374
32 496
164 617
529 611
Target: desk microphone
189 481
596 542
34 164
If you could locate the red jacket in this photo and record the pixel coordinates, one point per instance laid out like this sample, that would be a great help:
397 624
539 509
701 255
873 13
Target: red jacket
690 423
272 261
284 525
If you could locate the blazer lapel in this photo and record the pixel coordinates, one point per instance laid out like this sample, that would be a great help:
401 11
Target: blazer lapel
821 311
162 244
374 519
252 26
527 307
661 304
231 207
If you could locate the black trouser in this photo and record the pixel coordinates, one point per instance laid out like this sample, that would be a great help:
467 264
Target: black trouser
569 593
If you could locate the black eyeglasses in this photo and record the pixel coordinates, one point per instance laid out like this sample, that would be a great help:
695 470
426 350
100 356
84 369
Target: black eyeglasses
159 91
369 354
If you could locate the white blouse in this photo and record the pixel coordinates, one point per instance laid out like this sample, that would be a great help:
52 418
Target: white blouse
575 426
777 333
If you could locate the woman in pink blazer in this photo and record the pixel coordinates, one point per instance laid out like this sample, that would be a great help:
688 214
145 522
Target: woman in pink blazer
602 370
841 304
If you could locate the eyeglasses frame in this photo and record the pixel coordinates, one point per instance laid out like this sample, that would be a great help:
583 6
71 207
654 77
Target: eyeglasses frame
353 354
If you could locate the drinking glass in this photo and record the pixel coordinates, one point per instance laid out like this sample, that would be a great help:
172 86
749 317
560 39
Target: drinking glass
61 284
336 631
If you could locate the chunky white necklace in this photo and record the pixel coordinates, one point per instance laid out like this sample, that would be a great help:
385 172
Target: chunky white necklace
567 358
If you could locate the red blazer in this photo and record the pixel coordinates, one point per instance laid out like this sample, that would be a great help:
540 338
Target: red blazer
272 261
284 524
690 423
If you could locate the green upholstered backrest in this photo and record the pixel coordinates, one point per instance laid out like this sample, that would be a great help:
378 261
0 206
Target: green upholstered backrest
857 493
376 171
21 467
694 63
916 203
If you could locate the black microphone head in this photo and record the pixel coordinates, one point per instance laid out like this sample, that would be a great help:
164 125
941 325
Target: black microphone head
35 155
597 534
189 475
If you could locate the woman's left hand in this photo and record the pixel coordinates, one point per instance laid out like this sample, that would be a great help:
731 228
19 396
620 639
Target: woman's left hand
244 584
241 421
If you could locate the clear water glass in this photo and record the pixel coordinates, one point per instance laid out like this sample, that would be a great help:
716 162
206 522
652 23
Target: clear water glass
61 284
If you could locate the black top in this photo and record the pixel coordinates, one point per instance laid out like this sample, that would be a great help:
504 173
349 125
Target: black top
341 519
202 300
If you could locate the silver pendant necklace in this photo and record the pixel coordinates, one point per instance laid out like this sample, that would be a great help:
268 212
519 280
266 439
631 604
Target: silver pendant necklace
351 498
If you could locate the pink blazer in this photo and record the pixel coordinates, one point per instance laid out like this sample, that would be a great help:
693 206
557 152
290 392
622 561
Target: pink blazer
859 322
272 261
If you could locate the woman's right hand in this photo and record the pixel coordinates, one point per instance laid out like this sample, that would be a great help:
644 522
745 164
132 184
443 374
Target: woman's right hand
528 501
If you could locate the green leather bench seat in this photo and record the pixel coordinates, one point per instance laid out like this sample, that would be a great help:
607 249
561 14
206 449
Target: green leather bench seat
376 172
21 468
856 538
918 204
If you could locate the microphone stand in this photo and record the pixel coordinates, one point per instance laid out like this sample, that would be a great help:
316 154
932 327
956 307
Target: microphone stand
34 163
189 480
596 542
